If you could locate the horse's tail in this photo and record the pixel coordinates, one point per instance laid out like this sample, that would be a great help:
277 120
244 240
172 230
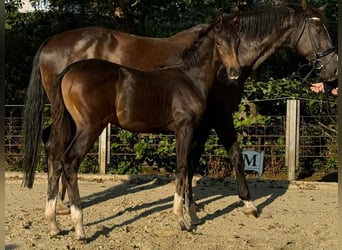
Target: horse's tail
32 121
63 127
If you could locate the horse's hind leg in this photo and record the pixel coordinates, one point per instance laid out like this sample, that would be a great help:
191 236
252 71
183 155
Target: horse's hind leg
54 153
71 159
61 208
226 133
62 188
52 196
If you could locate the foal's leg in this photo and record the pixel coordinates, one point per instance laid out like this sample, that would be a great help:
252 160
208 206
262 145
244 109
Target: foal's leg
68 135
226 132
62 188
61 208
54 152
183 141
201 134
80 145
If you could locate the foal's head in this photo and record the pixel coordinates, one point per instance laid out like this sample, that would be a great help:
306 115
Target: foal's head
227 43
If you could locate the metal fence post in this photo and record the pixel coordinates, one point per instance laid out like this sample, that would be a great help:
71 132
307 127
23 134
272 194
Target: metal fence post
292 137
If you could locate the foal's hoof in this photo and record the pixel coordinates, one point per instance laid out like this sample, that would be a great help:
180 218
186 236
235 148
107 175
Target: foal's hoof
197 207
82 240
55 235
250 210
196 221
61 208
185 226
63 212
252 213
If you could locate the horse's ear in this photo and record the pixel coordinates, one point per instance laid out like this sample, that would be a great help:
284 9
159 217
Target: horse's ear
323 8
218 22
236 21
304 5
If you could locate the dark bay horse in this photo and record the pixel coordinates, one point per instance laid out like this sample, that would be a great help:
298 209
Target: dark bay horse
93 93
61 50
262 32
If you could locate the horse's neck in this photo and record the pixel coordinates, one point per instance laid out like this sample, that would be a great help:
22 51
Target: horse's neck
189 34
203 71
253 53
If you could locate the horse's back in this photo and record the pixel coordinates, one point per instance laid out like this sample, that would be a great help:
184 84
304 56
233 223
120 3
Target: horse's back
143 53
75 45
125 97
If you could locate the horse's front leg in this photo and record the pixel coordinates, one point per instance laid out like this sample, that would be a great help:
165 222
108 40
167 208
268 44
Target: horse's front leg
200 136
183 142
226 133
235 154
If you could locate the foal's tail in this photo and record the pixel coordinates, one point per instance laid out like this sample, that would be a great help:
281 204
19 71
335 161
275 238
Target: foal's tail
32 121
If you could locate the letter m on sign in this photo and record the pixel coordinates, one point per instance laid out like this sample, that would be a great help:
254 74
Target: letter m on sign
253 161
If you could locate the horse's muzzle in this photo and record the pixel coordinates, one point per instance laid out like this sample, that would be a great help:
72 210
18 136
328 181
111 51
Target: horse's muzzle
233 74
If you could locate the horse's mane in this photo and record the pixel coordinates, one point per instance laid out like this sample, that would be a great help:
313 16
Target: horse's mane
190 54
258 23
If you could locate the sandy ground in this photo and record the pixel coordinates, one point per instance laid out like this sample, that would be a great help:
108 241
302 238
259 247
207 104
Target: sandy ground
122 212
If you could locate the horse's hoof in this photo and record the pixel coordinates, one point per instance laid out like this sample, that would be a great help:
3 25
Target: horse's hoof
55 235
63 212
61 208
250 210
81 240
196 222
197 207
185 226
194 219
252 213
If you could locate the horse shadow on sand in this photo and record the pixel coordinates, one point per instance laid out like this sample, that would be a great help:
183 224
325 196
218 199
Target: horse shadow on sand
268 191
131 186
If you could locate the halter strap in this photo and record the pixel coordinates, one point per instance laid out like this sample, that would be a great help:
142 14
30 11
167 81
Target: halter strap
317 55
315 61
325 52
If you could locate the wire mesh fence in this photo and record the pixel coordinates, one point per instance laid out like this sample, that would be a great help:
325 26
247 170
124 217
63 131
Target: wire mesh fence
132 153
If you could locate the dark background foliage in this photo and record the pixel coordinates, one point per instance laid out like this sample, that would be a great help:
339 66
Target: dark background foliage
26 31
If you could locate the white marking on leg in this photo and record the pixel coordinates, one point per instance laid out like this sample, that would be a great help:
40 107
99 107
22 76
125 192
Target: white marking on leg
178 210
50 215
250 209
177 205
77 218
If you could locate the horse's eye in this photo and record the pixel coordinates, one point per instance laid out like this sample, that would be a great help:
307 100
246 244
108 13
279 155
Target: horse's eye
319 30
218 42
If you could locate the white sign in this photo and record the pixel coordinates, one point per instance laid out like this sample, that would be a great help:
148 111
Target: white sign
253 161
